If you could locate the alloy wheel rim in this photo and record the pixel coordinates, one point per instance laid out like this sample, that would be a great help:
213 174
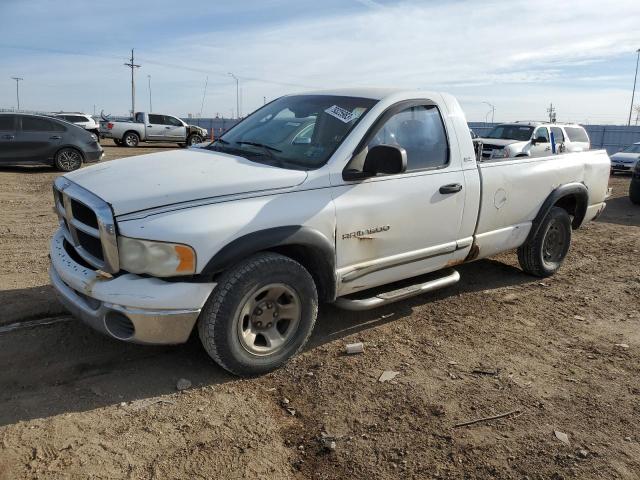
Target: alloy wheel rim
68 159
268 318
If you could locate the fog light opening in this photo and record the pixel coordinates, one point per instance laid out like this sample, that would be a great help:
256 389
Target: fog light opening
119 326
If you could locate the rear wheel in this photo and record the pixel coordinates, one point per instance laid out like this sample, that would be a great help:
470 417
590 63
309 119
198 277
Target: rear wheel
68 159
194 139
634 190
131 139
543 254
260 314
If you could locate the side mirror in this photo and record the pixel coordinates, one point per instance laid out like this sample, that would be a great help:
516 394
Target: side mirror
385 159
541 140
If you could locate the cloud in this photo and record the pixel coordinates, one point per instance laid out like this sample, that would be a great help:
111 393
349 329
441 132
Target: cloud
515 54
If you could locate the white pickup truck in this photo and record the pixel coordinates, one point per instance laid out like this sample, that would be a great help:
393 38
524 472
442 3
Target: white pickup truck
151 127
320 197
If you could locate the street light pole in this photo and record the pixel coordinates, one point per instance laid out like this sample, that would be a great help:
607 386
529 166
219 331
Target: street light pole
493 111
17 79
237 94
150 108
633 94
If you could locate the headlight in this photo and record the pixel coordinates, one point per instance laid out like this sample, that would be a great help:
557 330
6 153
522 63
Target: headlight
160 259
503 153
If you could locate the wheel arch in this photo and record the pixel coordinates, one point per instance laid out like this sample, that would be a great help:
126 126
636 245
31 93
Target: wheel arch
572 197
307 246
130 131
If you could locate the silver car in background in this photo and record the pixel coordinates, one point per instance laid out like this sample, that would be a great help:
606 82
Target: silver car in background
625 160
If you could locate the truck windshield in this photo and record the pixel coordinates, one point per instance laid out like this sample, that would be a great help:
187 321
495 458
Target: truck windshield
301 131
511 132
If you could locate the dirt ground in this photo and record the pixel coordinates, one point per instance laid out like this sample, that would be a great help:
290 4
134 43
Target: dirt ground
563 354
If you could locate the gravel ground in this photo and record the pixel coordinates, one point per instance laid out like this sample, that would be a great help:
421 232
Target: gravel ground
561 354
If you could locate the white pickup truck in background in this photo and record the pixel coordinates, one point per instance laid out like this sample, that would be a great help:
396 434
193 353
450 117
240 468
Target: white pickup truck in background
533 139
245 236
151 127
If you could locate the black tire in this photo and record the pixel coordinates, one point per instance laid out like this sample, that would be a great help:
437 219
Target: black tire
130 139
634 191
194 139
117 142
225 317
543 254
68 159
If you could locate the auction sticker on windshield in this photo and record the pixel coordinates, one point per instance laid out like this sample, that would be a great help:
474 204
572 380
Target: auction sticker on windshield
340 113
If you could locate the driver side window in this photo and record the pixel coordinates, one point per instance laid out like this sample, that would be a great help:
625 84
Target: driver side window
542 132
420 131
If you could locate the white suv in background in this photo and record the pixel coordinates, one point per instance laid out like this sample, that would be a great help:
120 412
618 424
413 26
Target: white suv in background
82 120
533 139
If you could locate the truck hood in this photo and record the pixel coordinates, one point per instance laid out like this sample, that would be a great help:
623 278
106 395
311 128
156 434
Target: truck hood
158 179
498 141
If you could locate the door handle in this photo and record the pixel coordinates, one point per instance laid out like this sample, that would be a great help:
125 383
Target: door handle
451 188
167 128
149 126
55 137
8 137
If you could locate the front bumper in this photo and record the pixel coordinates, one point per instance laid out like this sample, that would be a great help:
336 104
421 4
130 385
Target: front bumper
127 307
94 155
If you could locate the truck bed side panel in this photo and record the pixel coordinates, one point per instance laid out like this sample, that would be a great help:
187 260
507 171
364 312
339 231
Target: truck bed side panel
513 190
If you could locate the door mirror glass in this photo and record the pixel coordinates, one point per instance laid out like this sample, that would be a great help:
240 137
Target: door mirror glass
385 159
541 139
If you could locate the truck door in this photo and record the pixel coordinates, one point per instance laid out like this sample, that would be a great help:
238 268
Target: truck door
155 128
542 145
176 132
397 226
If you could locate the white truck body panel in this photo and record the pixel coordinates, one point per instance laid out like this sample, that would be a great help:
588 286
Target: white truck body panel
382 229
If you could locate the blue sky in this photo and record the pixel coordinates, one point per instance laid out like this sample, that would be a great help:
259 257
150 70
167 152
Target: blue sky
517 55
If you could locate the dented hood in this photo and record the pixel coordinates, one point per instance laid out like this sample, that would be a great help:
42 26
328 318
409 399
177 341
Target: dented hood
158 179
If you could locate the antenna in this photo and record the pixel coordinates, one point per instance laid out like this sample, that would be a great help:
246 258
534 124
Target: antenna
132 66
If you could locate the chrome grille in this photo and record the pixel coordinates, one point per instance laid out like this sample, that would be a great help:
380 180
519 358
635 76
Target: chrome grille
88 225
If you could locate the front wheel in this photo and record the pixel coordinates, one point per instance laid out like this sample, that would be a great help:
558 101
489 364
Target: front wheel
260 314
194 139
68 159
543 254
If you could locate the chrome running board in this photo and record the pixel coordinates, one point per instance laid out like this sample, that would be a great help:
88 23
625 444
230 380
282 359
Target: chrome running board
385 298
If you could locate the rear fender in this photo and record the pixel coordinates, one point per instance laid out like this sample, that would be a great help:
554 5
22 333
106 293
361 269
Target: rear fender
577 191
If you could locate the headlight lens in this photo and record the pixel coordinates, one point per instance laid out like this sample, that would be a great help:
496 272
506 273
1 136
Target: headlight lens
160 259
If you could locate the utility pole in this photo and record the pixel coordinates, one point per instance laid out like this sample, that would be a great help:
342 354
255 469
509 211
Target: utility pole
237 94
552 113
633 94
132 66
264 100
150 108
17 79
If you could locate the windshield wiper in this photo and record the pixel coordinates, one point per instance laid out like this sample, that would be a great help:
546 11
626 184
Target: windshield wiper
269 148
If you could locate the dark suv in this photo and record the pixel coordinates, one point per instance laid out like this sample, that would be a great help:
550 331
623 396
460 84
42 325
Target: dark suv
26 138
634 187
